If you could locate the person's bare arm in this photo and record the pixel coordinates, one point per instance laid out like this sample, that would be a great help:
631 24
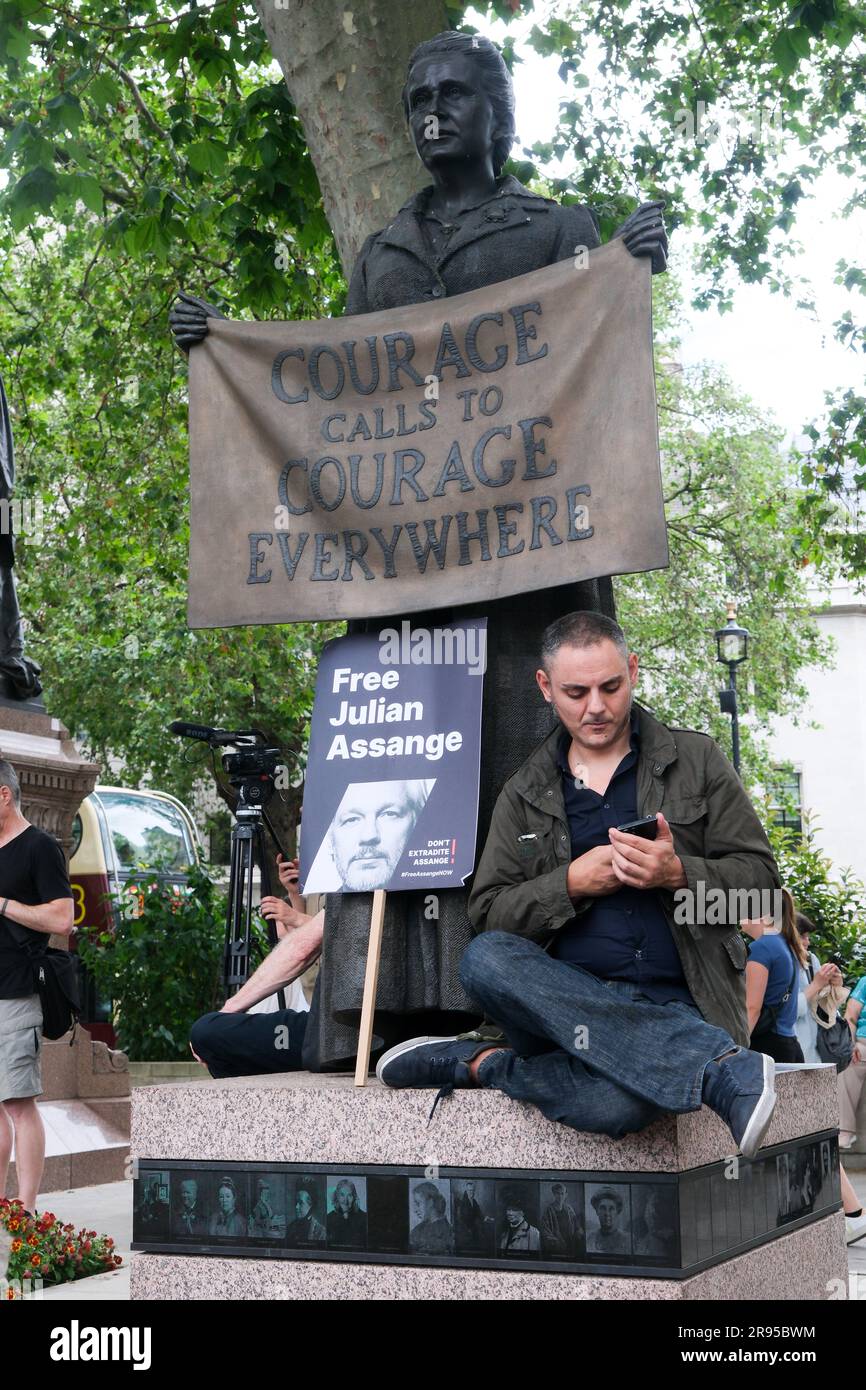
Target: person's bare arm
757 976
852 1014
55 918
289 959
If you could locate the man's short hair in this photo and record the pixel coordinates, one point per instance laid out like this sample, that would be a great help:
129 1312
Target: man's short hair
9 778
585 628
493 77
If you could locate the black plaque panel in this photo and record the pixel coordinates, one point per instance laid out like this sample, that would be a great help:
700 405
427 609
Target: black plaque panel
656 1225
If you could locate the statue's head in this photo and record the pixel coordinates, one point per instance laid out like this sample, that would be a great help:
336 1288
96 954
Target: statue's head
462 81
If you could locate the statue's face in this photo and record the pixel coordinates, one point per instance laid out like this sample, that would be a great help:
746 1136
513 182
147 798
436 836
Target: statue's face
450 115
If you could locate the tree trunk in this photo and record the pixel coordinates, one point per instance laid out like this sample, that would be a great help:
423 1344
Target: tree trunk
344 68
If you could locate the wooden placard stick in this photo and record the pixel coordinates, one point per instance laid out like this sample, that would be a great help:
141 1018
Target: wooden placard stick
371 982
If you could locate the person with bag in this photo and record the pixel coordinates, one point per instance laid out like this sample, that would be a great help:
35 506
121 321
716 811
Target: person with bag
813 981
815 978
35 901
773 983
822 1032
851 1080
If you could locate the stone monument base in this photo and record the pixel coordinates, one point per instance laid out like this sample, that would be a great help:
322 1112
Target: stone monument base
488 1200
804 1265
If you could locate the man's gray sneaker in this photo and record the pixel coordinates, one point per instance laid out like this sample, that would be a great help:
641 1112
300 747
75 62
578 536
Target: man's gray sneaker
741 1089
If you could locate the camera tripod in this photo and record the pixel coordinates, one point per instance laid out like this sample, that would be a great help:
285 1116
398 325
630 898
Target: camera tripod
248 848
251 772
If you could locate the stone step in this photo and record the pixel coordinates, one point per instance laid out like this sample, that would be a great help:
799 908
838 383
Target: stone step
116 1110
82 1147
158 1073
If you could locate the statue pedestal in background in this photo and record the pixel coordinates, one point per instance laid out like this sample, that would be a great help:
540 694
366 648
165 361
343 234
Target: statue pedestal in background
86 1100
55 779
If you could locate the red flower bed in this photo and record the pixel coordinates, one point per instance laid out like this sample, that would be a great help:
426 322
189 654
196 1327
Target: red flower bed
43 1249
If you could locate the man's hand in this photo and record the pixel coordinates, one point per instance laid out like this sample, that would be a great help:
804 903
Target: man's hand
640 863
188 319
289 872
644 234
591 875
284 914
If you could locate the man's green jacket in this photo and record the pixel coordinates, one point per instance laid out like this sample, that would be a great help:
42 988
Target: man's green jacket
520 883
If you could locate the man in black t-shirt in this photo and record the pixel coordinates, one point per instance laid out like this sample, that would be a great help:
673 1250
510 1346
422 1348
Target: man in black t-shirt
35 895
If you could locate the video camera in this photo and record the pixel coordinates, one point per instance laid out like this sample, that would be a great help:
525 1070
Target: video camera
252 771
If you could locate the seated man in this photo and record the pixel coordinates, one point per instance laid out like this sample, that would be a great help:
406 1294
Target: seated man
238 1042
614 1002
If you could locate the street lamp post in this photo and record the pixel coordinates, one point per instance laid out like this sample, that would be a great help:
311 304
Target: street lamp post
732 649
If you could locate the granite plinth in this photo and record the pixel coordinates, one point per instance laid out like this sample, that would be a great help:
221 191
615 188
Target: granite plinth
808 1264
304 1118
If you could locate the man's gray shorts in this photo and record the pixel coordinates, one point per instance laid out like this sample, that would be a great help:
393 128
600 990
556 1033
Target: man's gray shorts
20 1048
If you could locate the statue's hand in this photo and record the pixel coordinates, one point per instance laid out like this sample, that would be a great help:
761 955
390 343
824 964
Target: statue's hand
644 234
189 320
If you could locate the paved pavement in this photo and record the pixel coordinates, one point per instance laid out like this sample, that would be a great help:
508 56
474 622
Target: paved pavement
108 1210
857 1253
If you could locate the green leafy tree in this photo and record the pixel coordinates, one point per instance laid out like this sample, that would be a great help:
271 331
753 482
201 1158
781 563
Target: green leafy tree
730 507
146 149
161 968
834 902
732 114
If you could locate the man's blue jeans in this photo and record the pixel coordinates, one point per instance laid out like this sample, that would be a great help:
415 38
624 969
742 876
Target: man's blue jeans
596 1055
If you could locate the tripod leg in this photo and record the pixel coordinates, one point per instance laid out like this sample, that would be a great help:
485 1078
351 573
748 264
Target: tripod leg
237 951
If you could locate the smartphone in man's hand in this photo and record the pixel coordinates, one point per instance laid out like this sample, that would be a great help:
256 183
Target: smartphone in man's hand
646 828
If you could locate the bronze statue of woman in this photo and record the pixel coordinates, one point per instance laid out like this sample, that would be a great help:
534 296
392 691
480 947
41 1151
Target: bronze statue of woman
470 228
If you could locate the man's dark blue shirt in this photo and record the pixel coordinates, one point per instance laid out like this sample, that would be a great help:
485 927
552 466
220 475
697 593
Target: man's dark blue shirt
624 936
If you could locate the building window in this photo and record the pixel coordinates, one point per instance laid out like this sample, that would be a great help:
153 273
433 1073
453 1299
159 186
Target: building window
786 799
